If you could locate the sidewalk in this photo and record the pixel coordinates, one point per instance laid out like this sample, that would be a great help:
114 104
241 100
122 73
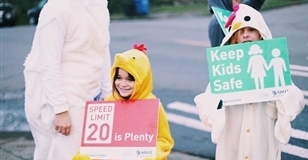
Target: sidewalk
20 146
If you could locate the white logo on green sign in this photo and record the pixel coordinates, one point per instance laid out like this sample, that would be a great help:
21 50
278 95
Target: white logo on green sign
249 66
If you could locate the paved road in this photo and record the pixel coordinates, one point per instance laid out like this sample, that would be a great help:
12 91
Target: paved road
177 52
20 146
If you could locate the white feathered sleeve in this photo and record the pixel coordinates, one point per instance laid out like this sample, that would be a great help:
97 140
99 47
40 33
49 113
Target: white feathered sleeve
289 106
209 114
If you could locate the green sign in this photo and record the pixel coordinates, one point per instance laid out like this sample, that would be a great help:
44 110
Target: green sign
259 67
222 17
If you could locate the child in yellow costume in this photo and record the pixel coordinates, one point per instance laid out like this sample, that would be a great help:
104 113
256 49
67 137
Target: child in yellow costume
132 79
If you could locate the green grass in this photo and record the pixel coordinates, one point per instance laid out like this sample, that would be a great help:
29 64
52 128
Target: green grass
174 10
281 3
202 8
199 7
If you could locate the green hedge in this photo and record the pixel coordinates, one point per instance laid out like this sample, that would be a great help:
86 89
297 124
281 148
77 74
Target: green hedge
115 6
118 7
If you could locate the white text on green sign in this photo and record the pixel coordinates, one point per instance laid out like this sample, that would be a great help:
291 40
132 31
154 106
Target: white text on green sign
249 66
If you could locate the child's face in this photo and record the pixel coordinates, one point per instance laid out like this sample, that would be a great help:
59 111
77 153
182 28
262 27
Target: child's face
124 83
248 34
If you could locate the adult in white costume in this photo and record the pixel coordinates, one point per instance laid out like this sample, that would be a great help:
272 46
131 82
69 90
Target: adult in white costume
69 64
251 131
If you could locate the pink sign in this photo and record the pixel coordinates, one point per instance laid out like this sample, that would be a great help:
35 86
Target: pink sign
120 129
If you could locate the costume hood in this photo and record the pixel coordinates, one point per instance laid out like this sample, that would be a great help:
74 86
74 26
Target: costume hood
245 16
135 62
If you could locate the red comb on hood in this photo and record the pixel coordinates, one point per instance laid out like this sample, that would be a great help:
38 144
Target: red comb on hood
140 47
232 16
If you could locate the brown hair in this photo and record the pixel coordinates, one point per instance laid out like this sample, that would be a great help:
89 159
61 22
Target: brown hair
114 79
234 38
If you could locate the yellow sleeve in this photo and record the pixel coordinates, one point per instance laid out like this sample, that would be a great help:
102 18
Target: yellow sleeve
79 156
165 141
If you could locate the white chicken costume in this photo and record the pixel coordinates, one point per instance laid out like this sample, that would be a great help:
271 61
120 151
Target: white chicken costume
251 131
69 64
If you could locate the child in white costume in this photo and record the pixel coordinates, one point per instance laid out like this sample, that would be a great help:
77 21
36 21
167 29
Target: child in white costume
69 64
249 131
